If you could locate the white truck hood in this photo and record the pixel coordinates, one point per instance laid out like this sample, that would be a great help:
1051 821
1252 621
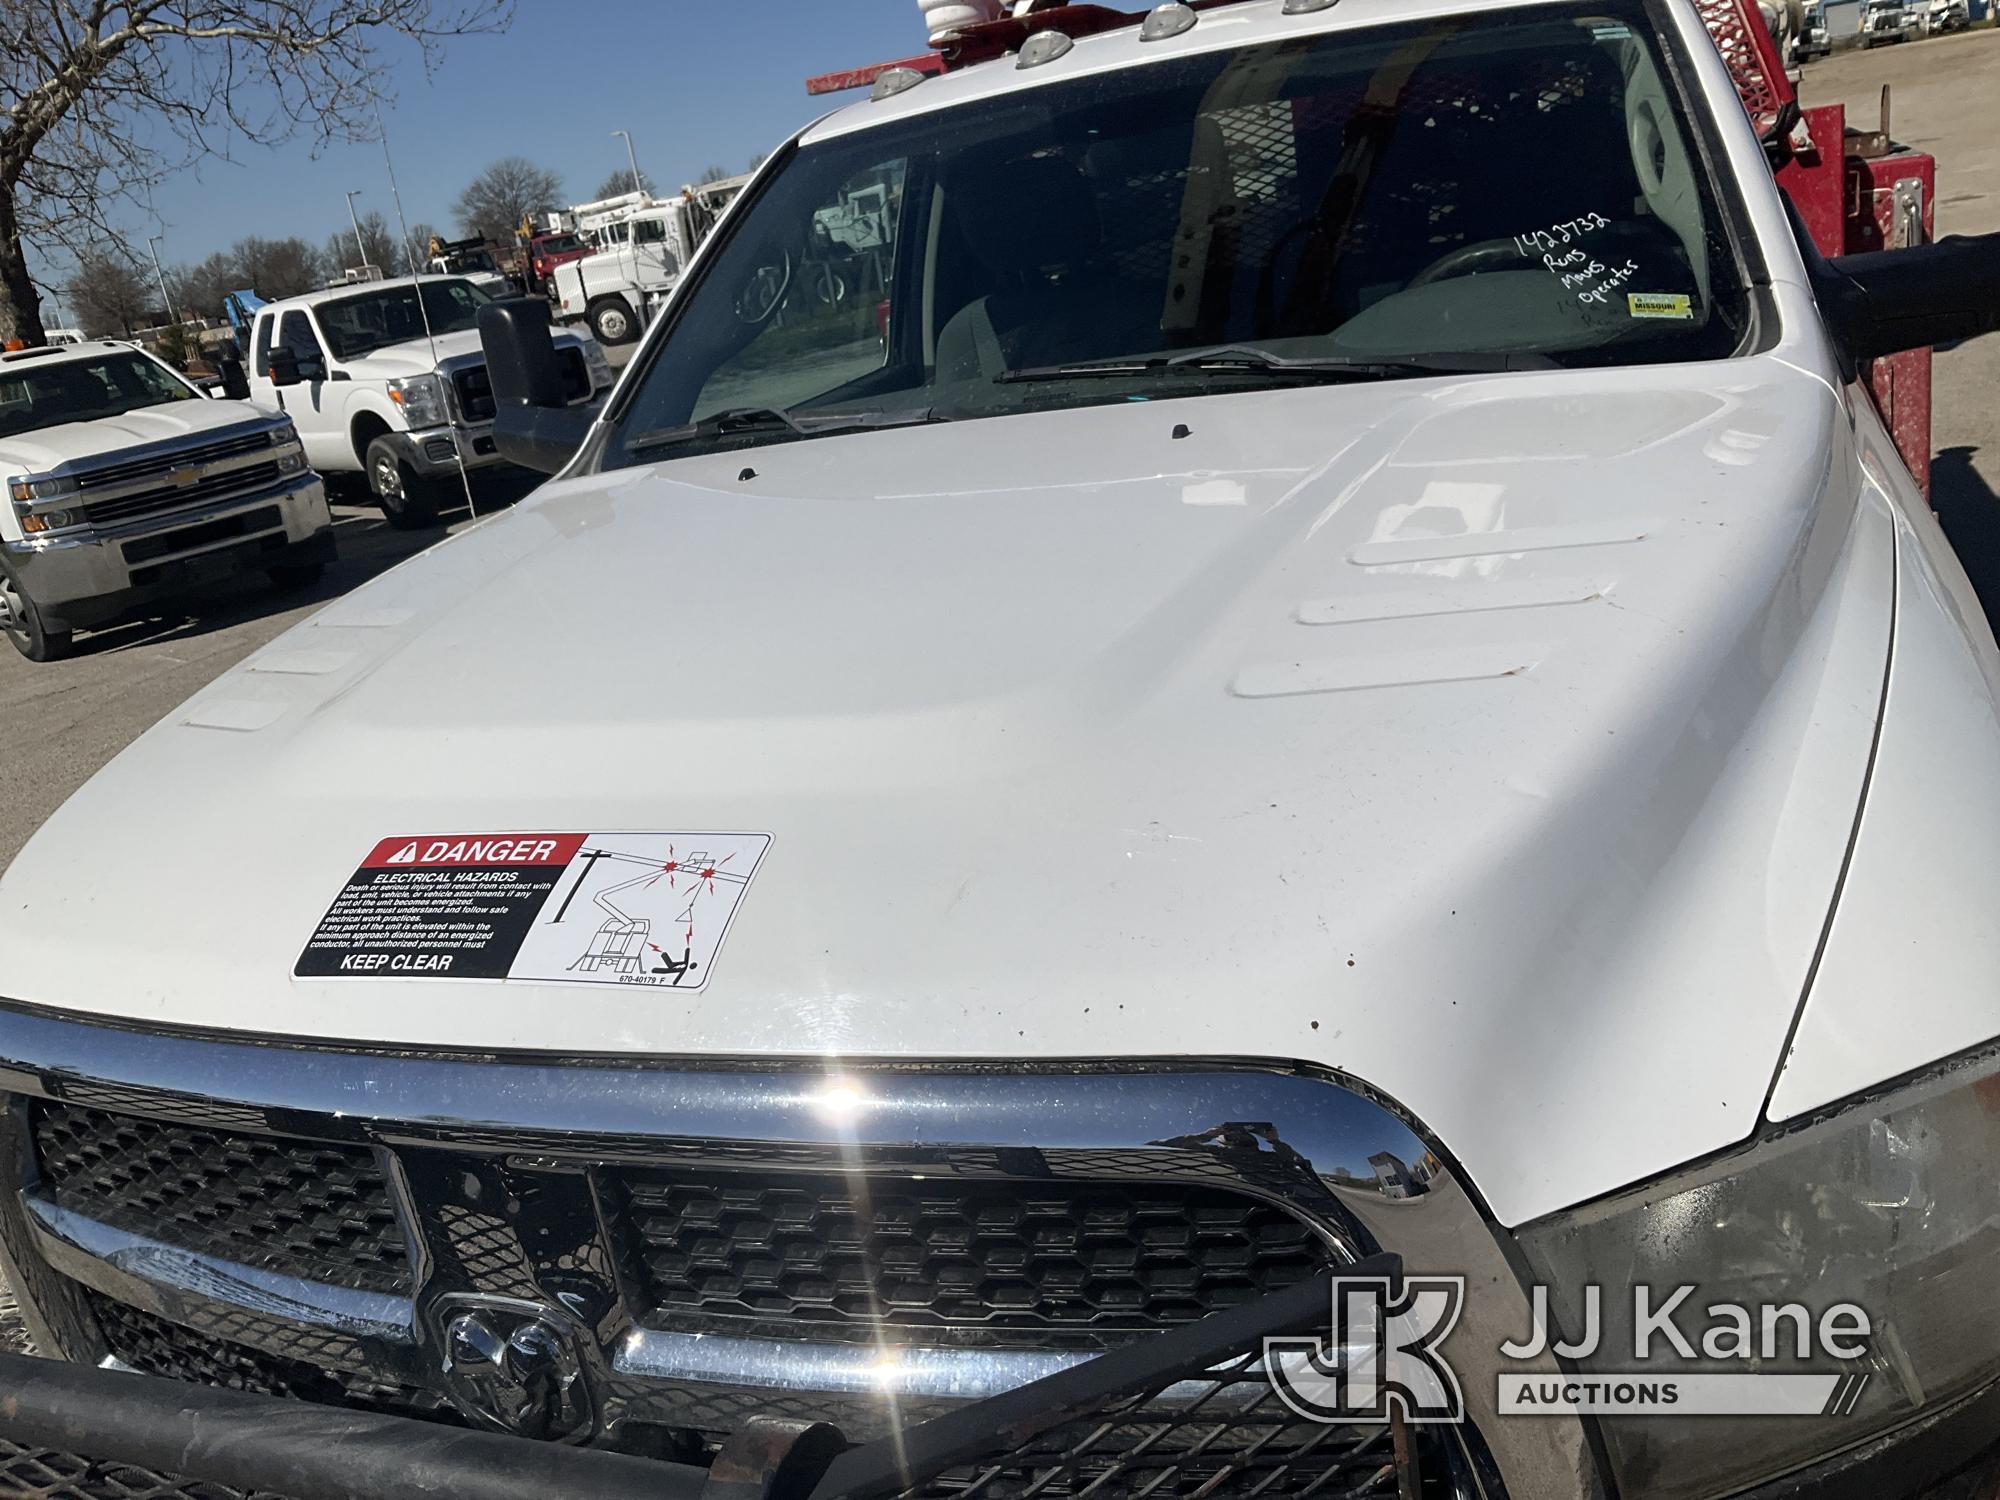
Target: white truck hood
41 450
412 357
415 357
1494 741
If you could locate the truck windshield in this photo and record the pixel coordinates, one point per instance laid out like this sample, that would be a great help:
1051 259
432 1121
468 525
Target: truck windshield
1508 187
387 314
81 390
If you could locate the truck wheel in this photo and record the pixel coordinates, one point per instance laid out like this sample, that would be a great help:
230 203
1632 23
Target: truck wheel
26 630
612 320
409 501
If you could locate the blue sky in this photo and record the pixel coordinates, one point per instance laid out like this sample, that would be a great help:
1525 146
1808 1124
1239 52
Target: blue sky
695 81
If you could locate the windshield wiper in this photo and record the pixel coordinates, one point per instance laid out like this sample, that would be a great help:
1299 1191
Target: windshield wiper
756 419
1249 359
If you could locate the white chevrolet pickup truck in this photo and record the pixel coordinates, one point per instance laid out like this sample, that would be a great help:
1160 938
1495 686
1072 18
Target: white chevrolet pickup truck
383 384
125 485
1277 705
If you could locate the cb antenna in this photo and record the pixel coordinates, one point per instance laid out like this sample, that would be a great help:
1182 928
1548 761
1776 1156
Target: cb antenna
417 290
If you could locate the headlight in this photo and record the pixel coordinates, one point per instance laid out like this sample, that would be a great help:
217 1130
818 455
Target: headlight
27 489
422 399
1891 1204
291 455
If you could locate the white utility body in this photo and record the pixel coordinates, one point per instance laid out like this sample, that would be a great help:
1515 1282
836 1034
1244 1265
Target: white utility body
1209 646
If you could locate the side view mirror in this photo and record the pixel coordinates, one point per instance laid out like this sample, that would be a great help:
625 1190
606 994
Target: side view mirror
1885 301
235 383
532 424
283 367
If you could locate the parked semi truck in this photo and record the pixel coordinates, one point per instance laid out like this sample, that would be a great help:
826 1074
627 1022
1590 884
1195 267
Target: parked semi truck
1268 713
640 245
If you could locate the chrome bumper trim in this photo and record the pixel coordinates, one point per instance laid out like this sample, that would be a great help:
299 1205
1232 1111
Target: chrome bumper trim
155 1276
847 1369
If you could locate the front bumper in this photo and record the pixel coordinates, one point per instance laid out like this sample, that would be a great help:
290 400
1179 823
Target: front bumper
505 1176
435 452
1194 1383
86 578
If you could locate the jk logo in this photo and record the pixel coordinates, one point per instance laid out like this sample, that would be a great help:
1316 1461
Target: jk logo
1383 1356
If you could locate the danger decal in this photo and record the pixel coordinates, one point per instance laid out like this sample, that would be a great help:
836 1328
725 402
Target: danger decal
575 908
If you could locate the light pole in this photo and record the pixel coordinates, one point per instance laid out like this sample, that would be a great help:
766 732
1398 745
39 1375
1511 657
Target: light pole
359 248
630 158
153 247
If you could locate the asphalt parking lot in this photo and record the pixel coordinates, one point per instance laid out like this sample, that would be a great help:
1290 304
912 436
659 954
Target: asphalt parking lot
60 723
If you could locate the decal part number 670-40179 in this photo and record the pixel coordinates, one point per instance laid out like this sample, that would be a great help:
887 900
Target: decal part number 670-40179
564 908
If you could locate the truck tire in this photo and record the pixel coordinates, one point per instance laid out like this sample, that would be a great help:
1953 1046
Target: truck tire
27 631
613 321
409 501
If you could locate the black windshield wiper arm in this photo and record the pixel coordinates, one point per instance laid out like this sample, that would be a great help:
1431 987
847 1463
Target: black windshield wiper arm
720 424
753 419
1249 359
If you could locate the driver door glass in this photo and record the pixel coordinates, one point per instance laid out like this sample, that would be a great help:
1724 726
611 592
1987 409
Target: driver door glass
296 334
812 306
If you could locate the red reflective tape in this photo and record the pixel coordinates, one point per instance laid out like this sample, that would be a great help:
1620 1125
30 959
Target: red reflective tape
474 850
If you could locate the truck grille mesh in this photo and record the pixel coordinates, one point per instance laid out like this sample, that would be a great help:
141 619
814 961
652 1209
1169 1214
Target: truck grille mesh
153 1346
1063 1263
165 494
1231 1436
317 1211
48 1474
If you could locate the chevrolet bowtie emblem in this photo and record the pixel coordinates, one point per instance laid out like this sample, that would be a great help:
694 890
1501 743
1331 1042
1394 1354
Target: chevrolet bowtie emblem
182 478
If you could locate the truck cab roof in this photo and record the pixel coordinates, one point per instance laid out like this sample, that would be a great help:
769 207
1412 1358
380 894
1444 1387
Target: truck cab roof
335 293
61 353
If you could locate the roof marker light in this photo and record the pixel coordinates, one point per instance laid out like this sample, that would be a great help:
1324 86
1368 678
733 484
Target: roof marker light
893 81
1163 21
1306 7
1043 47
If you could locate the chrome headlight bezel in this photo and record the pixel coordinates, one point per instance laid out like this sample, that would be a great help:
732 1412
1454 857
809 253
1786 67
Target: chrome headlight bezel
1879 1202
421 400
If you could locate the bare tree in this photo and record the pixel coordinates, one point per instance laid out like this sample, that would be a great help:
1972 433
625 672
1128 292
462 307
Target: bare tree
420 237
278 268
100 99
712 174
109 294
494 203
203 285
621 182
378 247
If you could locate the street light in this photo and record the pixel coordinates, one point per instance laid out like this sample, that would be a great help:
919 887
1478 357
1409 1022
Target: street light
359 248
630 158
153 247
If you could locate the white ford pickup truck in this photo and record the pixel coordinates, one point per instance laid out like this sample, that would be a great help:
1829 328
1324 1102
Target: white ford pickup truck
1274 697
383 385
125 484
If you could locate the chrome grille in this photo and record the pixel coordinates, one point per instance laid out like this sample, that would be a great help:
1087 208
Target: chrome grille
146 486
